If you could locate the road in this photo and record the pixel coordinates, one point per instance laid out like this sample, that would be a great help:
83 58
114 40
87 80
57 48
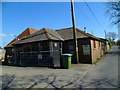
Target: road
105 73
102 75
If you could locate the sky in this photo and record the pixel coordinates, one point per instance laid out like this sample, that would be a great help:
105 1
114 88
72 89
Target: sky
17 16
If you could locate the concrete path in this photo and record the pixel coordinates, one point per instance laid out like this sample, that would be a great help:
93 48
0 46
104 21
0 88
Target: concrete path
102 75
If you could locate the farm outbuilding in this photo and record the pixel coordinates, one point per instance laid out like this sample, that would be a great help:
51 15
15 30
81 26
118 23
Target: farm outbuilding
89 46
42 48
10 52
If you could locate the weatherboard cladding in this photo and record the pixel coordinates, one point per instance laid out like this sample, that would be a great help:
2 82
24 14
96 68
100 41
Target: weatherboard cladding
41 35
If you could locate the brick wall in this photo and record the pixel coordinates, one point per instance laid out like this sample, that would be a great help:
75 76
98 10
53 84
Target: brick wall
96 52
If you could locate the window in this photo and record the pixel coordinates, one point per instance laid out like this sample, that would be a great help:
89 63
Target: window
94 43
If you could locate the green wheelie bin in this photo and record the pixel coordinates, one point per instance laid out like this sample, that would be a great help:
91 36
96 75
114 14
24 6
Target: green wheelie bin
66 61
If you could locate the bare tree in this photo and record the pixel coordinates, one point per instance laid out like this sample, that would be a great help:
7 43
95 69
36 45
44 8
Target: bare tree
111 36
113 11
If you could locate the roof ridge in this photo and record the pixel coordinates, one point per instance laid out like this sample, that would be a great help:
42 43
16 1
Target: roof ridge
55 36
88 34
64 28
24 34
17 37
29 30
46 33
81 31
32 35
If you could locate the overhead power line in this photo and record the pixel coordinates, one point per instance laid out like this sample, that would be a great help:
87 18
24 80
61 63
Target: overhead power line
86 17
94 15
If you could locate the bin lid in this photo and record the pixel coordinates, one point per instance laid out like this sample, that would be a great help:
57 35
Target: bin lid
66 54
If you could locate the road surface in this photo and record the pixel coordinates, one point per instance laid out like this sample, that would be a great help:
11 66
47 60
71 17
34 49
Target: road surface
102 75
105 73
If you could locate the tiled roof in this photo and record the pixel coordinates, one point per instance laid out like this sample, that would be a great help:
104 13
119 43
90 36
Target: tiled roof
103 39
24 34
67 34
32 35
41 35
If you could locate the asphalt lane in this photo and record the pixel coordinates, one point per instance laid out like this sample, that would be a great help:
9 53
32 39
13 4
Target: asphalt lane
105 73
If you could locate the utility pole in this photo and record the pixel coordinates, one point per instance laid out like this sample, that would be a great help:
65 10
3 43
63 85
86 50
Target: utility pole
74 33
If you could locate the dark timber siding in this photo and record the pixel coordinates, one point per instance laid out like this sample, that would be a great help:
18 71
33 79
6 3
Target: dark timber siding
44 53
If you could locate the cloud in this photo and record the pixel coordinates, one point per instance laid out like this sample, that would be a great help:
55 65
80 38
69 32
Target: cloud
6 35
3 35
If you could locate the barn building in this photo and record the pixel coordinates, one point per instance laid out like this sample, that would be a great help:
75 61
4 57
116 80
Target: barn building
89 46
42 48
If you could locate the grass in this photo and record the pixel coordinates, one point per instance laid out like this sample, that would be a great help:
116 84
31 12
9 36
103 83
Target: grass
99 59
96 61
